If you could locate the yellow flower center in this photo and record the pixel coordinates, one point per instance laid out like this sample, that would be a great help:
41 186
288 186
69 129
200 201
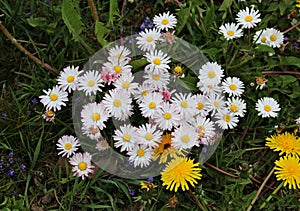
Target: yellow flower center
234 108
226 118
184 104
167 116
273 37
117 69
267 108
263 39
91 83
68 146
144 93
104 144
210 86
149 39
140 152
53 97
232 87
96 116
185 138
70 78
211 74
156 61
117 103
216 104
82 166
164 21
248 18
126 138
230 33
126 85
152 105
200 106
148 136
94 130
156 77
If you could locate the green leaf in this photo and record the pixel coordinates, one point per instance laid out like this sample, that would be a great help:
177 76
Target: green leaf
183 16
265 48
71 18
101 31
225 5
289 60
188 83
113 10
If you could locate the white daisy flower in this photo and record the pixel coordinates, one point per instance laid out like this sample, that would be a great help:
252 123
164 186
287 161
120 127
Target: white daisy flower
94 114
204 127
102 145
209 89
54 98
274 38
184 137
148 135
156 79
216 103
118 104
233 86
124 82
248 18
226 120
140 156
201 103
142 91
260 37
237 106
167 117
119 53
146 40
118 67
230 31
185 104
68 145
90 82
158 61
92 131
81 163
151 104
211 73
68 78
125 137
165 21
267 107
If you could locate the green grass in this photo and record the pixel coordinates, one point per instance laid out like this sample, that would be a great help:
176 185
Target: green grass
47 181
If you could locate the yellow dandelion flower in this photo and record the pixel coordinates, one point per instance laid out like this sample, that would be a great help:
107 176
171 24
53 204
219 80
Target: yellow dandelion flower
288 169
148 186
165 148
179 172
285 143
298 4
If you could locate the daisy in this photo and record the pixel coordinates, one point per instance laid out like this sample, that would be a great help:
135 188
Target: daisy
211 73
267 107
68 78
261 82
119 53
274 38
102 145
125 137
248 18
54 98
230 31
49 116
90 82
226 120
204 127
147 39
260 37
209 89
118 67
233 86
148 135
68 145
237 106
179 172
81 163
140 156
142 91
92 131
94 114
165 21
118 104
124 82
184 137
185 104
151 104
158 61
167 117
216 103
288 169
156 79
201 102
286 143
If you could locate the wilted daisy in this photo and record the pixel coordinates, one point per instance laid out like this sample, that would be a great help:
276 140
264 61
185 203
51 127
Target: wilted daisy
119 53
92 131
54 98
226 120
102 145
94 114
184 137
146 40
274 38
261 82
211 73
90 82
140 155
237 106
286 143
158 61
151 104
230 31
125 137
179 172
267 107
288 169
201 102
233 86
125 82
204 127
185 104
157 79
167 117
81 163
165 21
67 145
148 135
248 18
68 78
49 116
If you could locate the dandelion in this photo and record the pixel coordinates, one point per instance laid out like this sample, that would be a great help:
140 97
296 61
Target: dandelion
230 31
248 18
81 163
54 98
179 172
288 169
267 107
165 21
148 186
67 145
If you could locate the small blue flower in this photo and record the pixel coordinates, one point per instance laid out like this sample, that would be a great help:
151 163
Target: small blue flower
22 167
11 172
11 155
296 46
143 26
131 192
4 115
1 166
150 179
34 101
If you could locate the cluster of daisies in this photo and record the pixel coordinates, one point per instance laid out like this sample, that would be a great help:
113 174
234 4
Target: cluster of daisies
247 19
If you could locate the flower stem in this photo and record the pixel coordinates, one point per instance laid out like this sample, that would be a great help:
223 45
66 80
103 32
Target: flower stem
196 200
270 197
